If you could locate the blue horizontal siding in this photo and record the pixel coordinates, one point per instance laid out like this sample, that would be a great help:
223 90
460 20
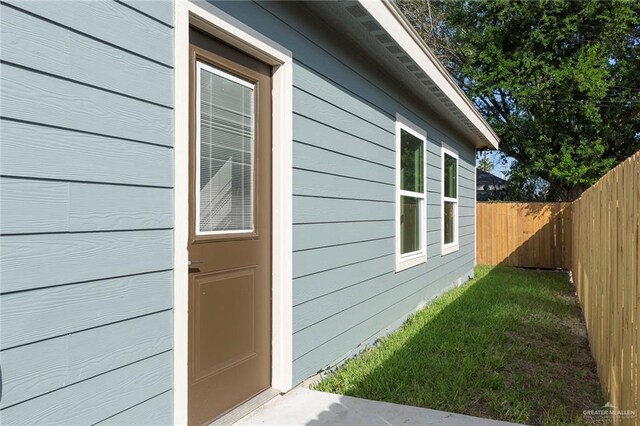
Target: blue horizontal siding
45 46
319 109
313 183
31 316
112 23
326 258
318 235
97 398
86 212
69 257
32 206
68 155
34 97
157 9
345 288
155 411
322 135
306 156
74 357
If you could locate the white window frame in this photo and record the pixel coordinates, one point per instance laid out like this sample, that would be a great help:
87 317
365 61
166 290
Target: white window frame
408 260
455 245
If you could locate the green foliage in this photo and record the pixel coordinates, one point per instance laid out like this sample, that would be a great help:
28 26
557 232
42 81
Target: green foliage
526 188
559 80
485 164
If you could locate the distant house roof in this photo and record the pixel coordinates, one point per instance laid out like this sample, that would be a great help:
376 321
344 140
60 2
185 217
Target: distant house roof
487 181
489 187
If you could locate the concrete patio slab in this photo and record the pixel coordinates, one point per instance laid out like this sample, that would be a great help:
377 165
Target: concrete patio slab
307 407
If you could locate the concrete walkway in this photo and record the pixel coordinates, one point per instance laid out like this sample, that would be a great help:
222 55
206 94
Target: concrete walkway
307 407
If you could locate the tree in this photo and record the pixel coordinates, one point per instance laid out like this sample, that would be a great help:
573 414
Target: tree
484 163
558 80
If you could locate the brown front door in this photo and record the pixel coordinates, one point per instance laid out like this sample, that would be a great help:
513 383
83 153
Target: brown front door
230 228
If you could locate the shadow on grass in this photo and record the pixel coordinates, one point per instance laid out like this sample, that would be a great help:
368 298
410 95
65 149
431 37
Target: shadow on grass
511 346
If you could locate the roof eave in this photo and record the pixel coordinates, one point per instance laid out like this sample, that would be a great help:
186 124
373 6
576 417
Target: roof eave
393 21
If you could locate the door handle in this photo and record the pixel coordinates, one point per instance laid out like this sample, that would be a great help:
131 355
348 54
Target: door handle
191 262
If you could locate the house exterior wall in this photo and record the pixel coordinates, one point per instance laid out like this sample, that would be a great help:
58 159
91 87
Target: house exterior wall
345 289
86 205
86 212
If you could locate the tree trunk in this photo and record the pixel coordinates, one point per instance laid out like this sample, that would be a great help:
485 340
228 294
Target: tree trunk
570 194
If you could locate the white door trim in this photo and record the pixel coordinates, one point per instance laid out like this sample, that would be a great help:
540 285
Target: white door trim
228 29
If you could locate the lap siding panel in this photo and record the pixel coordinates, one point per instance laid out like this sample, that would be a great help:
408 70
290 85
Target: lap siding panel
86 212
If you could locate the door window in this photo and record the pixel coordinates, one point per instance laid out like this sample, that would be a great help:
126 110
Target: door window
225 142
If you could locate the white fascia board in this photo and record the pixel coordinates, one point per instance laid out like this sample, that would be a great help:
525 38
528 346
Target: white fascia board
386 14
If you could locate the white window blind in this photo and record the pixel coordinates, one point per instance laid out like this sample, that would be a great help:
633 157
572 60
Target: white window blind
225 152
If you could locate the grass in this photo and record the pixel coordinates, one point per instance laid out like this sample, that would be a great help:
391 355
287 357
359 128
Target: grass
509 345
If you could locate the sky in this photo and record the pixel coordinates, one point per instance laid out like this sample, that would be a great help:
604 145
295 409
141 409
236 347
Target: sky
499 169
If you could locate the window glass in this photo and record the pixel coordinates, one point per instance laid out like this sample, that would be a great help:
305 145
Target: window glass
450 176
449 222
225 154
449 201
409 224
411 162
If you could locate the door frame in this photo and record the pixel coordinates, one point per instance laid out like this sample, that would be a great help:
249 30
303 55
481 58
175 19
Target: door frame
222 26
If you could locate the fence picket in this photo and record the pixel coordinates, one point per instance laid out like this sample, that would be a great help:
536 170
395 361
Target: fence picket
597 237
524 234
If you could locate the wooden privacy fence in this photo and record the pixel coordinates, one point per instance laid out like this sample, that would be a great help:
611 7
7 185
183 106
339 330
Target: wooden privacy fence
597 237
605 268
524 234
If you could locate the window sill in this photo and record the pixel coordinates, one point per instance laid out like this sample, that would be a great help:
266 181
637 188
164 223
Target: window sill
450 248
409 262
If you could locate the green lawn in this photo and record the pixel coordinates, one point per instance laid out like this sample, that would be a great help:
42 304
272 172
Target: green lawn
509 345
